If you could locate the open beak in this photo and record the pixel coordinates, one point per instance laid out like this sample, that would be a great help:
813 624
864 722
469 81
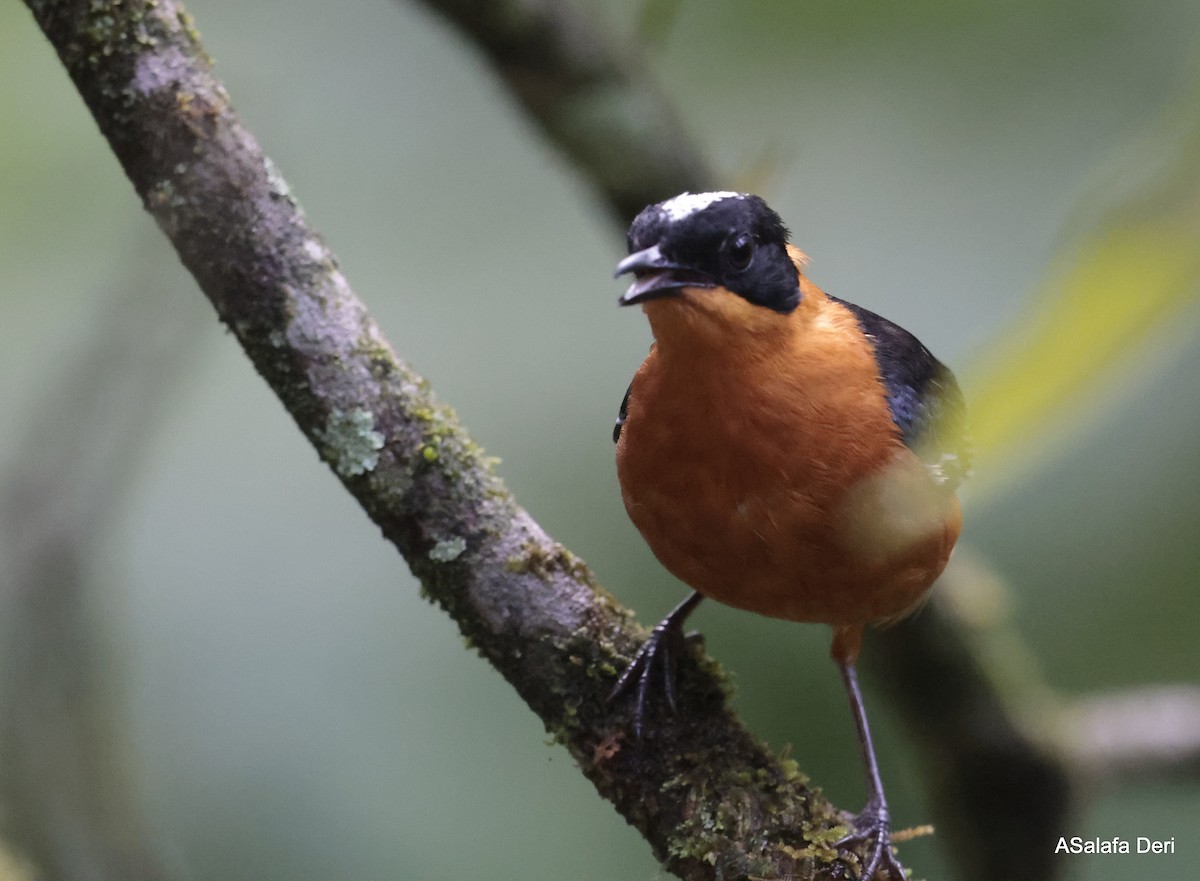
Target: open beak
656 276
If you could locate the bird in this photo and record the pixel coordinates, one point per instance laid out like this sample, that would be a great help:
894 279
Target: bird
781 451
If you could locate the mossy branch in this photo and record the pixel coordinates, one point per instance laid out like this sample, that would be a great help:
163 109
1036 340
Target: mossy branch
711 801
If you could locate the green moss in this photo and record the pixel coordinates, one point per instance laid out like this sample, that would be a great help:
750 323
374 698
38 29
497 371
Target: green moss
546 562
767 807
189 25
462 460
384 365
824 837
603 670
791 772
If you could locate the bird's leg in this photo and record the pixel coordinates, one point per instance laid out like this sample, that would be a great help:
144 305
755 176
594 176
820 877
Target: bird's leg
657 656
872 827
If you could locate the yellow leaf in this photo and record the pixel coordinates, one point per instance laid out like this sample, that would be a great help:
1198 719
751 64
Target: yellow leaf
1129 286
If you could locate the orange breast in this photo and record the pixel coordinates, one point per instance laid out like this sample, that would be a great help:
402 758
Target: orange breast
760 462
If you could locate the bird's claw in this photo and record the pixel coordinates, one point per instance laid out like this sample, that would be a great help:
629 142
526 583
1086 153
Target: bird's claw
873 828
657 657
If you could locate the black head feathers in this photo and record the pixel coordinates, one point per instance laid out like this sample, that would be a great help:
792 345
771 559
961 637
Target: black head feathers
733 240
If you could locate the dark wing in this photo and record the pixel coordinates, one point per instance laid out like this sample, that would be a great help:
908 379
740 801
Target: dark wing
926 403
621 414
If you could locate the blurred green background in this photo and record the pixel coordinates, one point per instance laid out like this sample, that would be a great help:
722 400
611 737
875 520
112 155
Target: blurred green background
293 708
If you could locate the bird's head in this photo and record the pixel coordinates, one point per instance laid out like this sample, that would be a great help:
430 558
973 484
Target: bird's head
721 252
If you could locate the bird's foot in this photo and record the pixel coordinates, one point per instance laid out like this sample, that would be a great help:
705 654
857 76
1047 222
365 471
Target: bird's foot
873 828
654 666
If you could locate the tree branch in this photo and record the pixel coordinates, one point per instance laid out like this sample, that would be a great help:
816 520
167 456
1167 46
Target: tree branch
711 801
591 100
1137 735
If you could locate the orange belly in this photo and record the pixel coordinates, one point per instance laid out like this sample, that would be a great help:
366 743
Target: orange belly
782 488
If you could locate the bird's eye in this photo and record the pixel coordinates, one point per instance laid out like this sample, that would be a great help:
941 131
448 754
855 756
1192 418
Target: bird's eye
740 252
